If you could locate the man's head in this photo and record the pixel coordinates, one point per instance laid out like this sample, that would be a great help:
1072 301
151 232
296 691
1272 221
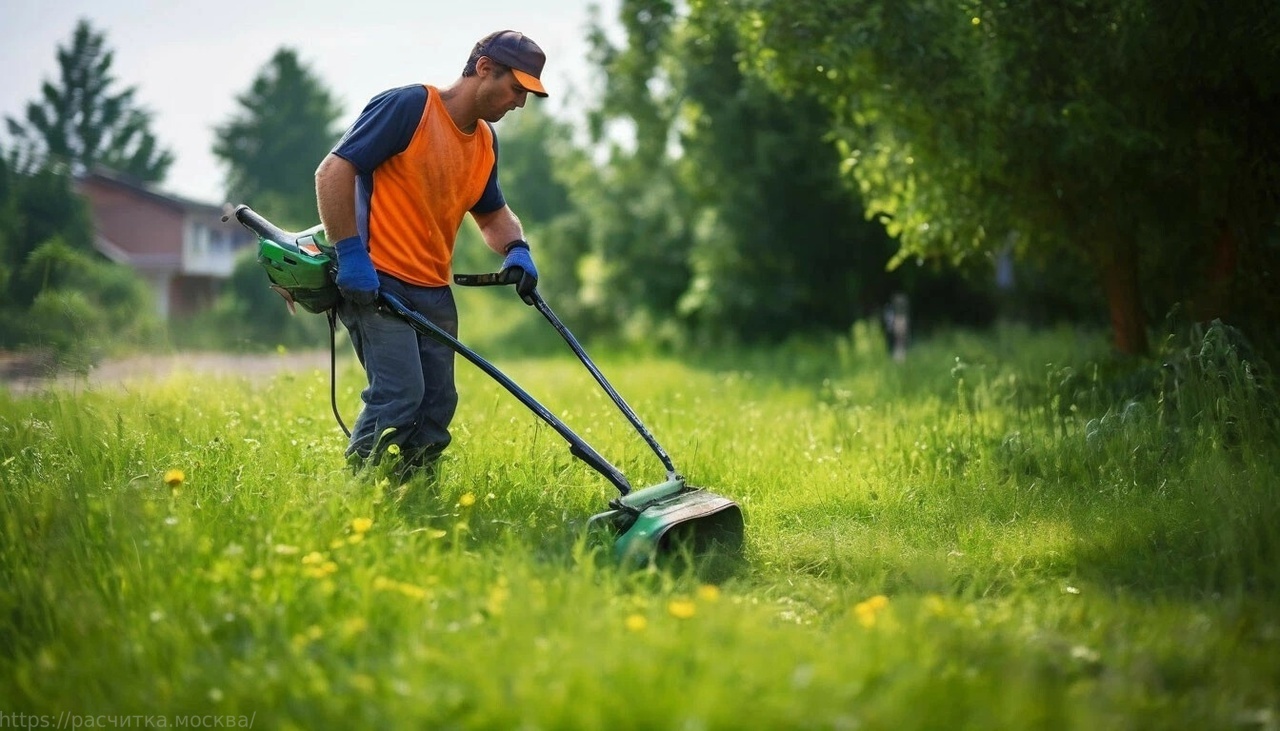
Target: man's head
515 51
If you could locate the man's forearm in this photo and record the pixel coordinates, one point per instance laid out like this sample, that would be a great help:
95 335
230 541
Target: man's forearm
499 228
336 198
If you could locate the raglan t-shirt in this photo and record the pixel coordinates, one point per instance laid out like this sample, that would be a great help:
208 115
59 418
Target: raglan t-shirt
417 176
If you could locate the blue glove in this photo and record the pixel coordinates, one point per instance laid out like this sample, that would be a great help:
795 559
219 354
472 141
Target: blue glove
519 263
357 281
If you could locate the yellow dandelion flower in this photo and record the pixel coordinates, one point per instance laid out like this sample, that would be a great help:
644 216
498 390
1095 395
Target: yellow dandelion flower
498 595
709 593
393 449
411 591
362 682
174 478
354 626
637 623
320 570
935 605
681 608
867 611
315 557
866 617
362 525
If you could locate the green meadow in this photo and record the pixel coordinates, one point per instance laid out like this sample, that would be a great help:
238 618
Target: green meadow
1008 530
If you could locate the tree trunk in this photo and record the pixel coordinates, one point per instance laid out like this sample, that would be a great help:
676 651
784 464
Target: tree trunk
1212 302
1124 300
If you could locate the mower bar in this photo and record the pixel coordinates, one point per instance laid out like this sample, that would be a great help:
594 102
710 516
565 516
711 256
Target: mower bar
577 446
484 280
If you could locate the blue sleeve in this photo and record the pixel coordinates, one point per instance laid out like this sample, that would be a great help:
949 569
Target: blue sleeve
384 129
492 198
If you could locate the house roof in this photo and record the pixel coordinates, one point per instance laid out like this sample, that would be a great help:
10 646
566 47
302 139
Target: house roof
146 190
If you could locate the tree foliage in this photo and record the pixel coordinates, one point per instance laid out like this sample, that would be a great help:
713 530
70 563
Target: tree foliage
784 245
35 207
640 222
1136 134
719 205
57 291
82 121
285 124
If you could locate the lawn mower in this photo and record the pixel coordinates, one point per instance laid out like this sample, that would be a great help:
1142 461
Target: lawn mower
671 517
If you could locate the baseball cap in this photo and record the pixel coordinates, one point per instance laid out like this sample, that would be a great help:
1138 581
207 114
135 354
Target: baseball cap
518 51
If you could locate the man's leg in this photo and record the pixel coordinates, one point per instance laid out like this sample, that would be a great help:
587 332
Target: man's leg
388 349
430 435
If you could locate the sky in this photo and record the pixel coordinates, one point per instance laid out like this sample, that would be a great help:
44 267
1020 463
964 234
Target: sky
189 60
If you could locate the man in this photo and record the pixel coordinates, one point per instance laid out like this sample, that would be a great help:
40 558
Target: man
392 195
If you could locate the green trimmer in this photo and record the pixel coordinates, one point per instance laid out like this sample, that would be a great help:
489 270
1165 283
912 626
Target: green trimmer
671 516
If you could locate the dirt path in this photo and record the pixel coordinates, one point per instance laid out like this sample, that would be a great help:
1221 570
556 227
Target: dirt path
27 374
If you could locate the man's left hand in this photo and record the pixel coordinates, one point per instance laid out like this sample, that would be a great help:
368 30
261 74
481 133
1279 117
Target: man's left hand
520 261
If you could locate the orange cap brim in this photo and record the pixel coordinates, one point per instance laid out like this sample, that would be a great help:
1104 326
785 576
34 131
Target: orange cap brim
529 82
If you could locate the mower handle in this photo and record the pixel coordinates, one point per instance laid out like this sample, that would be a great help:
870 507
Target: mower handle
577 446
496 278
254 221
487 280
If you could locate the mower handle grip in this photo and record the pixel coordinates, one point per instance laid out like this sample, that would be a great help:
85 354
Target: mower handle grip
263 228
487 280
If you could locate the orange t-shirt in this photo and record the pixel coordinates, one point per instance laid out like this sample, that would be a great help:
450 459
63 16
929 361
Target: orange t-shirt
418 175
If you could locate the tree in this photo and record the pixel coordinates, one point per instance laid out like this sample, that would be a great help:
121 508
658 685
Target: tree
57 291
286 123
1136 134
36 206
786 246
726 213
640 220
81 121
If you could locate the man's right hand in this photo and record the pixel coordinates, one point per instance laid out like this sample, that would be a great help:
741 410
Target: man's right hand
356 280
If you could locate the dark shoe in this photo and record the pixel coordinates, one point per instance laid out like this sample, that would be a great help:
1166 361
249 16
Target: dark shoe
421 461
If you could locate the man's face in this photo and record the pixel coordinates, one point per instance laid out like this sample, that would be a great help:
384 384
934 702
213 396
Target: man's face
499 91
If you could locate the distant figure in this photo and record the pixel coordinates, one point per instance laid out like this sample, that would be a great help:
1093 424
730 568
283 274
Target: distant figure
897 325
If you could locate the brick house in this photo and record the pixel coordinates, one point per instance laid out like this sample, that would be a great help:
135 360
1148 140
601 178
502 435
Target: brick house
181 247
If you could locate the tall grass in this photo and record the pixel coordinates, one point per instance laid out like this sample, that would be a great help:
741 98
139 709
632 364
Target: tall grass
1000 532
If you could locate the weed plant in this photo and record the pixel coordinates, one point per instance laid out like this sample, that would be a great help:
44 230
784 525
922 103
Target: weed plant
1004 531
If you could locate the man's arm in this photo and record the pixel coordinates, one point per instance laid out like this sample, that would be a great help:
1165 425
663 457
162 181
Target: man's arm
502 232
499 228
336 197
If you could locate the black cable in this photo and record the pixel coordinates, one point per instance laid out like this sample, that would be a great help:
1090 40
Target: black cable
333 369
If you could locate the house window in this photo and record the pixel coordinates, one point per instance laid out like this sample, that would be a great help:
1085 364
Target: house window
200 240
